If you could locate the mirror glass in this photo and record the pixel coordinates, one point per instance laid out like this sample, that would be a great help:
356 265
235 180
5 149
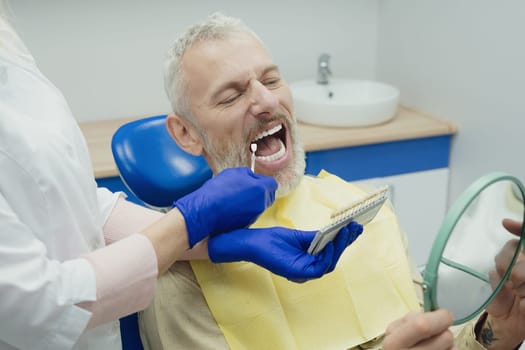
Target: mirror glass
465 281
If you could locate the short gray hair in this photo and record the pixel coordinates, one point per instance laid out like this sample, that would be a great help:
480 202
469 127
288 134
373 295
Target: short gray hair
217 26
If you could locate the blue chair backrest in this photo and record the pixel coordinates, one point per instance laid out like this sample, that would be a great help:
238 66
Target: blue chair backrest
153 167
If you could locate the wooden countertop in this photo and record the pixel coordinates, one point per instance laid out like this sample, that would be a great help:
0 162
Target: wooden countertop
407 124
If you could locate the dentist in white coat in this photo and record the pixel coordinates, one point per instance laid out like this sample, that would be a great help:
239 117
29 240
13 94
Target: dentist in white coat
75 258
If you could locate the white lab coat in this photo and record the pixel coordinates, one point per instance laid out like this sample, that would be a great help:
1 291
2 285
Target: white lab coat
51 213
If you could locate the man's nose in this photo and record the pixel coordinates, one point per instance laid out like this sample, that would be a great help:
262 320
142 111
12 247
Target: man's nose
263 101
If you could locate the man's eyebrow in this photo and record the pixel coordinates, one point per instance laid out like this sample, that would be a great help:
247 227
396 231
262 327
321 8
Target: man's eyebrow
269 69
233 84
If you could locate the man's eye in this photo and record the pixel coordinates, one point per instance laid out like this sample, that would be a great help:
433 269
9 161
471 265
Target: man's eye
271 82
230 100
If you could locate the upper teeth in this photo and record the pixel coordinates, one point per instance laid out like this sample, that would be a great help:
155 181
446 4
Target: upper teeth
268 132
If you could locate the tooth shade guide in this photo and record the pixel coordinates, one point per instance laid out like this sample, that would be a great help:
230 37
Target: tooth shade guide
362 211
364 202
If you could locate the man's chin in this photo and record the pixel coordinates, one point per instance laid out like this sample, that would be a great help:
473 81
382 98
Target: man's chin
286 186
290 177
282 191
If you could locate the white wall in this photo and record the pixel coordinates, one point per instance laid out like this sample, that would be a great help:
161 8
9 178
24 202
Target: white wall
464 61
106 56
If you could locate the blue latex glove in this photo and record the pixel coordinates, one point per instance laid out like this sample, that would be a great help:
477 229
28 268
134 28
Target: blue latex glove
232 199
281 250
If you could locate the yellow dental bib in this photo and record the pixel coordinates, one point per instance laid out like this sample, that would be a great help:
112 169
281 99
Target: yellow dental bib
370 287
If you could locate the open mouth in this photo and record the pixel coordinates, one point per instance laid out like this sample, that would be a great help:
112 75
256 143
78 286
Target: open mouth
271 144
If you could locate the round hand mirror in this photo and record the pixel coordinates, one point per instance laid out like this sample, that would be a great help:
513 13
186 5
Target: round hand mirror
459 275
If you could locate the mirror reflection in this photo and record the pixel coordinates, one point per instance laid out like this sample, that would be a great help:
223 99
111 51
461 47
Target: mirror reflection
466 277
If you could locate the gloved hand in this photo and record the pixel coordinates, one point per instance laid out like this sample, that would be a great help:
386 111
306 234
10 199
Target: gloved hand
232 199
281 250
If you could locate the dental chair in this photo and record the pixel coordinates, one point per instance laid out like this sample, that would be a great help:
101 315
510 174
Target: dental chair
151 164
157 172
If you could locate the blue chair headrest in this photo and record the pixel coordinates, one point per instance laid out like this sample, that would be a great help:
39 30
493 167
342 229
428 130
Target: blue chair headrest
153 166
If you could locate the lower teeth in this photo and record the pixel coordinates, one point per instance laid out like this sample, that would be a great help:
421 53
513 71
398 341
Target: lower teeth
276 155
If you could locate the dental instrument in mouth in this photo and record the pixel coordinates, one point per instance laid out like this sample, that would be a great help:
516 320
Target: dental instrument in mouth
253 148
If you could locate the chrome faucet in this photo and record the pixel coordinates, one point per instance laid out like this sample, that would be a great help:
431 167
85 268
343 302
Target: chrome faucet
323 69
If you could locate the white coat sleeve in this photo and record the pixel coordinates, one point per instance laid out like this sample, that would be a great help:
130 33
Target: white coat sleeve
38 294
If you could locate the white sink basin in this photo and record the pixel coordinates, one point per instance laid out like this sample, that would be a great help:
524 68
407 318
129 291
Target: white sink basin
344 102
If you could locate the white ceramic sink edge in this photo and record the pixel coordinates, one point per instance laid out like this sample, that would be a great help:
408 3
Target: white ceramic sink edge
344 102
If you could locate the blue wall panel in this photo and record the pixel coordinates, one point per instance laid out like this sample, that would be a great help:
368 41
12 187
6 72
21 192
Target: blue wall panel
382 159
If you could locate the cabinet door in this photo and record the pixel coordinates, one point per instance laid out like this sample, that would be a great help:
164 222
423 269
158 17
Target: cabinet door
420 202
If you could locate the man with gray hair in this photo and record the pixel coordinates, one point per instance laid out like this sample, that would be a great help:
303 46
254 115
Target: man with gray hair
227 95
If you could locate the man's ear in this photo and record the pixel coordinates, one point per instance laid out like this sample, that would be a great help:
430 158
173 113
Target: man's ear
185 134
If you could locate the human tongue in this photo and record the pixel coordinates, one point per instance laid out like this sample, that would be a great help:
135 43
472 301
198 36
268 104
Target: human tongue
268 146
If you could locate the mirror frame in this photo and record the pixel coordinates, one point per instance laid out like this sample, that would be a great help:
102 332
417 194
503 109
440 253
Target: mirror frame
430 273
